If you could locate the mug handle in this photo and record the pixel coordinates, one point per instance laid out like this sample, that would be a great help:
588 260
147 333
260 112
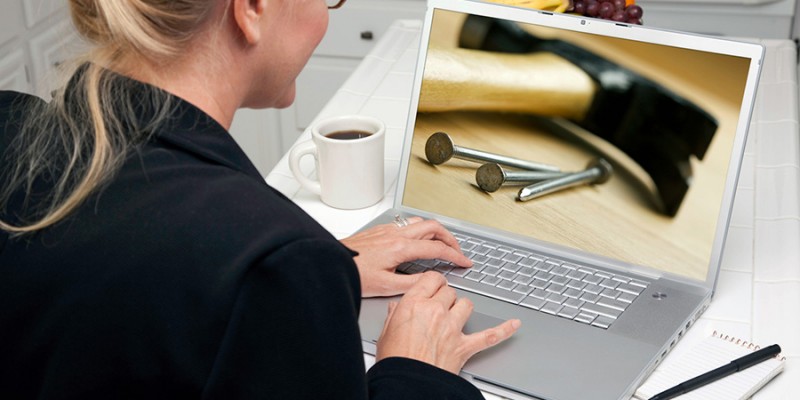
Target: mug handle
297 153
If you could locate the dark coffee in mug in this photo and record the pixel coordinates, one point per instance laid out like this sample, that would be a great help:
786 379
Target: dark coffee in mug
348 134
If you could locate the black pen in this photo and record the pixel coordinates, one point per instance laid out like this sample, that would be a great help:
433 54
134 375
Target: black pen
719 373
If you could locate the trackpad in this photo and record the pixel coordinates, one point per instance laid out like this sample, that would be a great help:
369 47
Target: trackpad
478 322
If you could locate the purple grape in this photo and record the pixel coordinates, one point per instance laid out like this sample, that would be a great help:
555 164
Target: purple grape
579 7
619 4
592 8
635 21
634 11
605 10
619 16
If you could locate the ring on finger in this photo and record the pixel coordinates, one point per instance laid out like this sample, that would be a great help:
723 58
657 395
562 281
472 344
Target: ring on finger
400 221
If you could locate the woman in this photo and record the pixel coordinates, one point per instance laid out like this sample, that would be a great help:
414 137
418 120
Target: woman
142 255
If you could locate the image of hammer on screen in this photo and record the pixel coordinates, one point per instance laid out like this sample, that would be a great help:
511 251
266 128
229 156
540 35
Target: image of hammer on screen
500 67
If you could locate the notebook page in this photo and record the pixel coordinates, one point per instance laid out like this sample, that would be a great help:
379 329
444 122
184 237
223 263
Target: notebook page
713 352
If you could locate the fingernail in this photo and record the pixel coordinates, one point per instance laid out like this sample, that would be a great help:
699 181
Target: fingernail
516 323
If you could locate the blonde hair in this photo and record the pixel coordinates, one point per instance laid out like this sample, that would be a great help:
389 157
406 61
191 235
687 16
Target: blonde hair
78 140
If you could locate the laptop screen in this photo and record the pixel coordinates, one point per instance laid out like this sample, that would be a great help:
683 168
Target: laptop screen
650 128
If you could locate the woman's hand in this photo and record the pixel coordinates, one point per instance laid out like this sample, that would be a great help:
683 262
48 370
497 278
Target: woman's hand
383 247
427 325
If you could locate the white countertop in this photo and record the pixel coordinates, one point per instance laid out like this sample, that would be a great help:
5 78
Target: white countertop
758 293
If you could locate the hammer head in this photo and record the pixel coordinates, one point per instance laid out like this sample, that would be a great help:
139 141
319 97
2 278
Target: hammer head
439 148
640 117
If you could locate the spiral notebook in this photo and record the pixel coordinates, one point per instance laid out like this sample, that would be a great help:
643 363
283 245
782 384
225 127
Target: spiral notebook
712 352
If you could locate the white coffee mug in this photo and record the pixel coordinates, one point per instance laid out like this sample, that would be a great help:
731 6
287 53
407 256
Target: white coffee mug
349 153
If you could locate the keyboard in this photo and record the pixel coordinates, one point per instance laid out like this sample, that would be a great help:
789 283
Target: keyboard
567 290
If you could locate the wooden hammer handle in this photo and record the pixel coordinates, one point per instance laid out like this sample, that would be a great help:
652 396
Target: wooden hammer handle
538 83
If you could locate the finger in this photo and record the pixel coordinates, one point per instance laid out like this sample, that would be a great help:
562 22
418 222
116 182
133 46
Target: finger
432 229
487 338
432 249
390 312
461 311
395 284
446 296
427 285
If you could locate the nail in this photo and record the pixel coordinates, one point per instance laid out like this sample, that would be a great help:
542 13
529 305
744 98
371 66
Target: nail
598 171
440 148
491 176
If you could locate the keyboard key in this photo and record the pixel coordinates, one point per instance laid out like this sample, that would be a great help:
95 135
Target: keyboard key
533 302
485 290
537 284
593 289
523 289
559 270
574 303
508 275
609 283
604 275
639 283
577 275
610 293
627 297
507 285
495 262
545 276
591 298
415 269
587 270
586 318
444 268
508 266
467 246
632 289
551 308
556 298
475 276
573 293
493 271
479 259
592 279
527 262
561 280
555 288
523 280
545 267
602 322
576 284
611 303
512 258
459 272
404 267
490 280
568 312
622 279
496 254
482 249
601 310
539 293
526 271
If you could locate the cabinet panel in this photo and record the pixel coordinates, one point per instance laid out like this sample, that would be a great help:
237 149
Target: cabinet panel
50 48
11 22
354 28
37 11
12 71
318 82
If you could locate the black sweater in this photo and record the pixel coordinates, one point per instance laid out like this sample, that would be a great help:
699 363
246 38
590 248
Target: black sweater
187 276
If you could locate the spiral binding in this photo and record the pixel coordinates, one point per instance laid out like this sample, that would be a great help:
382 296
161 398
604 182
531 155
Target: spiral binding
743 343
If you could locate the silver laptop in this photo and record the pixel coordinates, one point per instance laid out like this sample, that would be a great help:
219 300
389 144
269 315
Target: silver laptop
609 263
